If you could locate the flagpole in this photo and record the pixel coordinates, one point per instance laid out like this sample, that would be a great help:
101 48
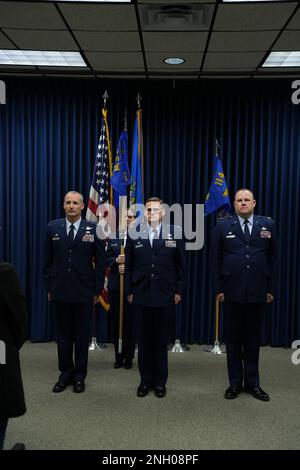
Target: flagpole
125 121
140 141
121 312
94 345
216 349
122 222
217 148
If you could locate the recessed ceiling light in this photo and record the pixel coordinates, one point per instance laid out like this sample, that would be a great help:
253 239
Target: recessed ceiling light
283 59
174 61
46 58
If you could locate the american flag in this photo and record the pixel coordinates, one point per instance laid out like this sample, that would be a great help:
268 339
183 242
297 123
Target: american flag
100 193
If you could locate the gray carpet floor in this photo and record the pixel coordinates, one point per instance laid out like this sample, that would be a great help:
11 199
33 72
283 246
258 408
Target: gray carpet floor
193 415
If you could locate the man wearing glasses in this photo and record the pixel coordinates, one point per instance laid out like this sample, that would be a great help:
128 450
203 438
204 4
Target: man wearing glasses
155 262
116 262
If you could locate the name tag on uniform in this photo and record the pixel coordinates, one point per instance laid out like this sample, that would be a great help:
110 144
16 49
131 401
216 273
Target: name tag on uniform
88 237
170 243
230 236
56 237
138 245
265 234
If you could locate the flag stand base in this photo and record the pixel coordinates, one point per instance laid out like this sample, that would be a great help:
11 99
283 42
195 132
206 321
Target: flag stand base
215 348
94 346
178 347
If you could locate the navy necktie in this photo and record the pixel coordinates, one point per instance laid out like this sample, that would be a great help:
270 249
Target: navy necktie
155 238
71 234
246 230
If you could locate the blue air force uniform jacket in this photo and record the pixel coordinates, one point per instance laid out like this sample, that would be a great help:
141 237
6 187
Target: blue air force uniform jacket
244 271
155 275
74 273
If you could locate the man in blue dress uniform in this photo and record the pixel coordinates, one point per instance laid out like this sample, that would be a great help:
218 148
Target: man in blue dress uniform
74 271
116 262
244 252
155 263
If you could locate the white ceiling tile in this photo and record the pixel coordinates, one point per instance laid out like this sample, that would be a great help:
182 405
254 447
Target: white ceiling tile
295 21
179 41
108 41
188 75
44 40
30 15
232 60
224 77
183 2
108 33
5 43
122 74
23 74
20 68
282 70
115 61
101 17
66 75
288 41
241 41
252 16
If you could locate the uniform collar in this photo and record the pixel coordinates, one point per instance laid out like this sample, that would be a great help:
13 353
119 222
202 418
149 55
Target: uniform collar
250 220
151 229
76 224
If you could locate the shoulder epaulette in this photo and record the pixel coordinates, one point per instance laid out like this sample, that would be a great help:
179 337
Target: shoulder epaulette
221 219
52 222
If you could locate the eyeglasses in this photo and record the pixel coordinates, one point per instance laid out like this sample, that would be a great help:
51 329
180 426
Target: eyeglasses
130 217
154 209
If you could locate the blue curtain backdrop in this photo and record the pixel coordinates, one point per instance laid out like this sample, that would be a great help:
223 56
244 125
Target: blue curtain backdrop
48 137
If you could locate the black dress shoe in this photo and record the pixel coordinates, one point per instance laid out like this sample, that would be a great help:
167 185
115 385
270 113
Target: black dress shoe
59 387
160 391
257 393
79 387
19 446
232 392
118 364
142 390
128 364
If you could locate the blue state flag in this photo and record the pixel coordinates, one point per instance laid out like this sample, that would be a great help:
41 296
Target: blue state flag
136 185
120 178
217 199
